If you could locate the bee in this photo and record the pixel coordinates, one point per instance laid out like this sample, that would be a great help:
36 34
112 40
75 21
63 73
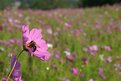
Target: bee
32 45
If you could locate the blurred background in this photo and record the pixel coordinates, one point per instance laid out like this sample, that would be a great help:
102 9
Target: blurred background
52 4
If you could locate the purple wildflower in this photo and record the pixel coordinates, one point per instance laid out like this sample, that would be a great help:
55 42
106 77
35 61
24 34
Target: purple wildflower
84 59
4 79
16 74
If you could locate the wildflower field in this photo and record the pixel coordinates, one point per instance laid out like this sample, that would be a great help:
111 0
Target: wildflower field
84 44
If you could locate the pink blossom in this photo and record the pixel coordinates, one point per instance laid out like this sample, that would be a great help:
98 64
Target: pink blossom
108 48
108 59
70 58
18 79
74 70
34 44
93 49
101 73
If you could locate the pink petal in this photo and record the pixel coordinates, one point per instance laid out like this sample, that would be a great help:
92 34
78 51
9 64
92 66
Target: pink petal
43 55
18 79
25 30
25 33
35 34
42 45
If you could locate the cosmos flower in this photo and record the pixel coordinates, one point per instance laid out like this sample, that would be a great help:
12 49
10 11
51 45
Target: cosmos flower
74 70
93 49
34 44
101 73
108 59
70 58
16 74
108 48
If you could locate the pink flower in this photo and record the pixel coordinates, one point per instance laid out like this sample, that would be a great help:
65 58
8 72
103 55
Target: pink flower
5 78
101 73
34 44
108 48
108 59
70 58
93 49
74 70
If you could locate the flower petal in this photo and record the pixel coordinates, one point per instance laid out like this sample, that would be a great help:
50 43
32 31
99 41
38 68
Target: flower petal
13 61
25 33
43 55
35 34
42 45
25 29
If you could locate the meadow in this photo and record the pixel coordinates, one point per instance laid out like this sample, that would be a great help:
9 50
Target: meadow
84 43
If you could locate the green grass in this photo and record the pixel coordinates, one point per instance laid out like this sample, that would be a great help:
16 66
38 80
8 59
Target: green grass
100 26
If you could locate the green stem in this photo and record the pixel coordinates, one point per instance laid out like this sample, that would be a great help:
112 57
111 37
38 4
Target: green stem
14 65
